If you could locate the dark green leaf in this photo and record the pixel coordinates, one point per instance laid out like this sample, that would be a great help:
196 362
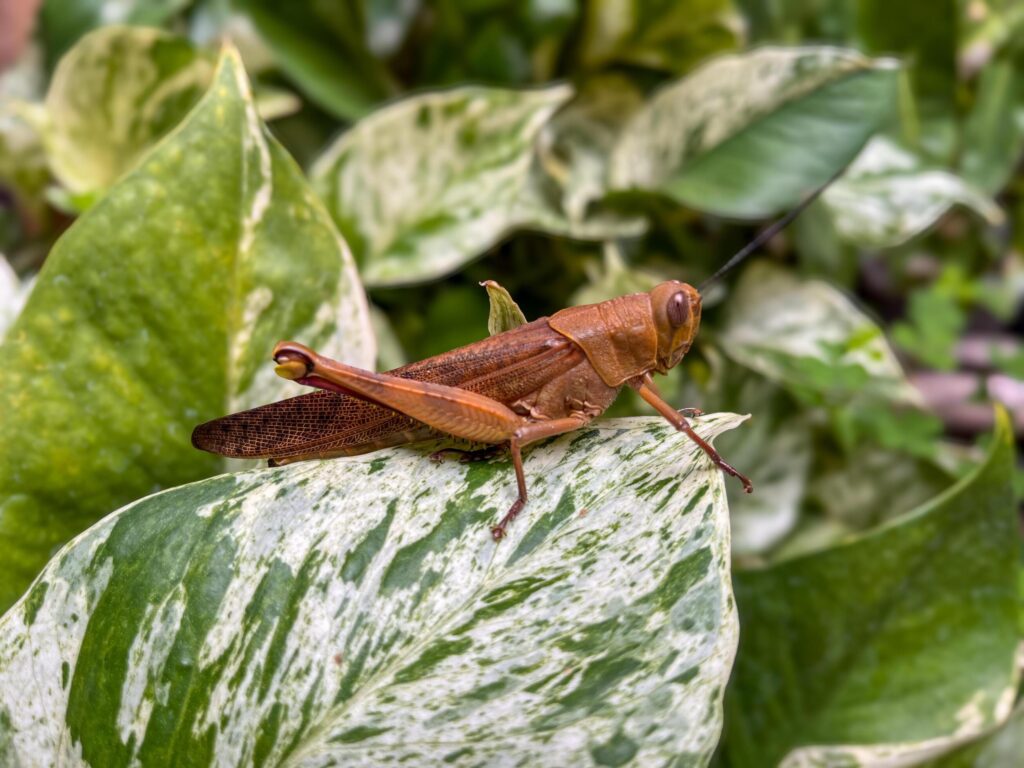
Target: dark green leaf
749 135
322 48
886 645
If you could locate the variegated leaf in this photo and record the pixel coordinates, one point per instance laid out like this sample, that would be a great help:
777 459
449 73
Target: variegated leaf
750 134
157 310
808 336
112 97
63 23
12 295
886 197
671 36
425 185
889 648
774 451
357 611
1001 747
576 146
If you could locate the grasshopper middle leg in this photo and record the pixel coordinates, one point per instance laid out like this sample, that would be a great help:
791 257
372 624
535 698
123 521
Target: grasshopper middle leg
529 433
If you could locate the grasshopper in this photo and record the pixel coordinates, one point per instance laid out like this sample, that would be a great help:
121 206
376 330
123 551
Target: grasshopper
541 379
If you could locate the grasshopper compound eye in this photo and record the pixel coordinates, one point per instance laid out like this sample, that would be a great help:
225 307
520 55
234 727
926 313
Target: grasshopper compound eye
678 309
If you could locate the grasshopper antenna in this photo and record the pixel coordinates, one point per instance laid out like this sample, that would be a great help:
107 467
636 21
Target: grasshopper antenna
769 232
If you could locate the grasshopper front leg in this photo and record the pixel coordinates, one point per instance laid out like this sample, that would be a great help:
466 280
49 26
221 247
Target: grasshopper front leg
456 411
650 393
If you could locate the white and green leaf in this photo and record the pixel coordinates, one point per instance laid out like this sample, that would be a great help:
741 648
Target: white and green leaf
887 196
1000 747
23 169
63 23
810 337
750 134
423 186
13 294
112 97
669 36
157 310
357 611
576 147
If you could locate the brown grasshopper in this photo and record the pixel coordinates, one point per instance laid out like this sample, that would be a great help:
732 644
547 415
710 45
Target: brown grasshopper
541 379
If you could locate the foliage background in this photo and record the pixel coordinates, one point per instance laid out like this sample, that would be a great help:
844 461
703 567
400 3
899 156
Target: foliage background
868 340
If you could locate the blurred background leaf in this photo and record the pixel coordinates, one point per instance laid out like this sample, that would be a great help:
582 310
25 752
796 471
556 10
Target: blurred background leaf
840 649
118 92
749 135
183 279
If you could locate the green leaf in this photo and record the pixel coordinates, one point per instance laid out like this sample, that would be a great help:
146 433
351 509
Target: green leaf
663 35
117 92
505 314
810 338
924 33
497 42
932 330
1001 747
613 278
157 310
357 612
887 197
321 47
994 130
425 185
889 644
64 22
749 135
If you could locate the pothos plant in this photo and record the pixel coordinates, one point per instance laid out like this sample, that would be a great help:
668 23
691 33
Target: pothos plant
357 611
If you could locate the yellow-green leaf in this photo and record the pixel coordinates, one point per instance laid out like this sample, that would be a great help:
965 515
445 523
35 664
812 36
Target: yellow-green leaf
157 310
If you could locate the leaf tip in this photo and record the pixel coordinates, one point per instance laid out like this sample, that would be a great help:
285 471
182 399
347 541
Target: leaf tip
1003 424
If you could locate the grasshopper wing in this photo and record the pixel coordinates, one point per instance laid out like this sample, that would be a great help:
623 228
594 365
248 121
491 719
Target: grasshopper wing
505 367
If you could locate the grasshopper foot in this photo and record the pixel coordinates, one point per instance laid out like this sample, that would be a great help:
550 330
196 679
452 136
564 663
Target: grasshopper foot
498 531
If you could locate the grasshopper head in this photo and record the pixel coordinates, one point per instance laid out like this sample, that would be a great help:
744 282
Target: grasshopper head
676 308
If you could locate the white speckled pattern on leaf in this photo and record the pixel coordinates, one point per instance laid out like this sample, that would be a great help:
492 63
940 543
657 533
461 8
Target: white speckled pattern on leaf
357 612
